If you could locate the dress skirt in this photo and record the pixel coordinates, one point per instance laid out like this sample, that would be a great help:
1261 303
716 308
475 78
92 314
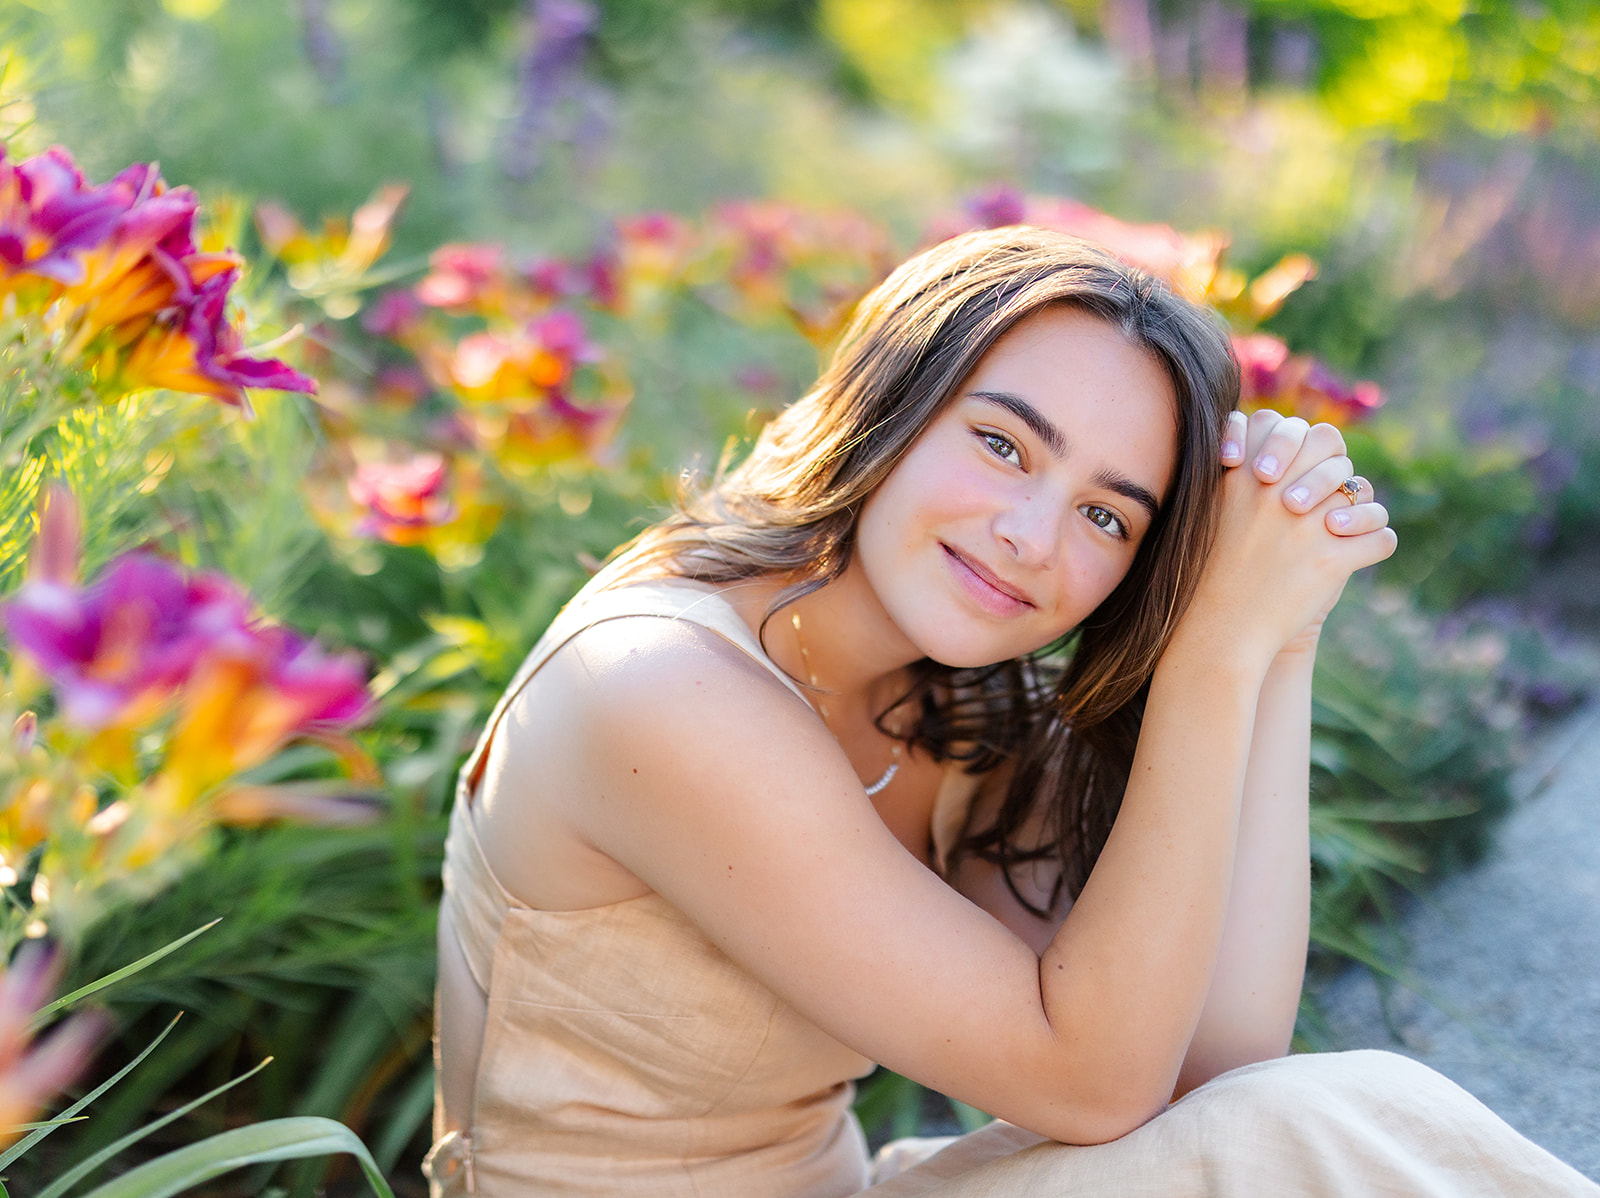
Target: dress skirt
1350 1123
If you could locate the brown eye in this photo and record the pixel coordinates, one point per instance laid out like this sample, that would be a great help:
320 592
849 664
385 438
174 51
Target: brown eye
1107 519
1001 447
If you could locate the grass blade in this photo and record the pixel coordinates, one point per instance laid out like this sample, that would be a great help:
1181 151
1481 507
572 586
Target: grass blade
276 1140
21 1146
61 1184
42 1015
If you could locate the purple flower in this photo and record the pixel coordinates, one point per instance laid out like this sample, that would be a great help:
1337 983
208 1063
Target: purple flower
998 206
129 639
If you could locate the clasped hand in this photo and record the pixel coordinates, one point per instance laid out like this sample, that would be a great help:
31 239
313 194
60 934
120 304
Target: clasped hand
1289 537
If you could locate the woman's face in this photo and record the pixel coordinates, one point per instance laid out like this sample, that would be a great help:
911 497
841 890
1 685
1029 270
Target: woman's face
1021 506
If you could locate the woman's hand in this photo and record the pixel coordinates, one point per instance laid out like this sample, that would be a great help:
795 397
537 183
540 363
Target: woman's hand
1274 573
1314 456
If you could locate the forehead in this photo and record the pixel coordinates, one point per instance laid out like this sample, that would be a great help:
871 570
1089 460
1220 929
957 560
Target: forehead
1112 400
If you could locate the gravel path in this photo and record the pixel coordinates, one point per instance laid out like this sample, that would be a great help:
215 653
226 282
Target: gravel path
1506 962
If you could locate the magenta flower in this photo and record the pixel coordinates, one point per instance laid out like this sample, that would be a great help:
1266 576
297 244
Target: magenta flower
395 315
48 217
403 500
326 688
1261 359
196 349
463 276
1269 375
998 206
116 270
119 647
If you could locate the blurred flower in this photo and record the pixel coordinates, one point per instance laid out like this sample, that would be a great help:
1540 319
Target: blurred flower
115 651
531 364
466 278
331 266
203 354
998 206
32 1074
245 699
1188 262
394 316
402 500
1270 376
651 253
783 260
557 102
400 385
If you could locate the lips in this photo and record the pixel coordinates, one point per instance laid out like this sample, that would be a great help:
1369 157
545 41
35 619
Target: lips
989 592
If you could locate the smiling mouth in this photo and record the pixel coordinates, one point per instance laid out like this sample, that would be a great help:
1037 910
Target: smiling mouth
991 593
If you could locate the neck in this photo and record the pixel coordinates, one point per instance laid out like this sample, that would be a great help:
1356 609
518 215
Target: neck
855 653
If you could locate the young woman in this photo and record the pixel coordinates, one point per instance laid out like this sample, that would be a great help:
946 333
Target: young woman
963 728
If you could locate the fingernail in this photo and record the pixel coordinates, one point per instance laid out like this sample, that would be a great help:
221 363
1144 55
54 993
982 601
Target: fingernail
1268 465
1230 449
1299 496
1340 519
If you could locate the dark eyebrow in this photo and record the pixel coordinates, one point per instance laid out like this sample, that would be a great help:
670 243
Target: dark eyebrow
1126 487
1024 411
1056 443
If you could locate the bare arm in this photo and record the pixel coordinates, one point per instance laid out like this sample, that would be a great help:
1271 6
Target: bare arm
1250 1009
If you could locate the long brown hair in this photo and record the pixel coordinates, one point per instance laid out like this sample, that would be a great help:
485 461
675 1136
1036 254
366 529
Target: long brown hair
1066 720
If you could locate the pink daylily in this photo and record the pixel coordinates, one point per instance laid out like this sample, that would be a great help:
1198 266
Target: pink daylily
403 500
134 292
246 699
116 650
200 351
1269 375
464 277
32 1074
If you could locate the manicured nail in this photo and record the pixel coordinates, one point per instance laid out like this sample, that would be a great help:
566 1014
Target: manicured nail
1267 465
1299 496
1340 519
1231 450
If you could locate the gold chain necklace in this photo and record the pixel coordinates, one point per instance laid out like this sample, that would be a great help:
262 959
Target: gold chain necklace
894 766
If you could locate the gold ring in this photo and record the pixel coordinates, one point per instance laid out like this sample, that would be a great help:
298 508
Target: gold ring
1352 489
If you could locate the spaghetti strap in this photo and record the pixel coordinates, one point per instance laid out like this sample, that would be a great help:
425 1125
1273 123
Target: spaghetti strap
672 599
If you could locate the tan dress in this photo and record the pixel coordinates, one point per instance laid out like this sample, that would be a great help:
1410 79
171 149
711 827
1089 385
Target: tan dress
625 1055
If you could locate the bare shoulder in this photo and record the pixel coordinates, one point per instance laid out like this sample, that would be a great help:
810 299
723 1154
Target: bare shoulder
642 673
608 724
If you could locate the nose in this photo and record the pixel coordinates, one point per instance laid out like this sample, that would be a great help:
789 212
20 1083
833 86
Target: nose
1030 529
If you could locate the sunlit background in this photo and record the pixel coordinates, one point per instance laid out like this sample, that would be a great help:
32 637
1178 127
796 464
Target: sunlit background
538 258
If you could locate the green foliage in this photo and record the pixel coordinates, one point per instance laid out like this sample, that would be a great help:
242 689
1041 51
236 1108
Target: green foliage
260 1143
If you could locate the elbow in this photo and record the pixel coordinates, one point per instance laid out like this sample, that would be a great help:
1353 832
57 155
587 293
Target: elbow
1110 1117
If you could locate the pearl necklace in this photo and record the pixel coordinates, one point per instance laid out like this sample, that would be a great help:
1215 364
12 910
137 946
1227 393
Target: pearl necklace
894 766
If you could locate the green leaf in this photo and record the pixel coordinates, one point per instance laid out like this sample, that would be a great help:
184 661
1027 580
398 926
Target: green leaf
44 1123
42 1015
276 1140
61 1184
21 1146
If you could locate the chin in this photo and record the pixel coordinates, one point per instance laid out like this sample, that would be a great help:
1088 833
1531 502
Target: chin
968 652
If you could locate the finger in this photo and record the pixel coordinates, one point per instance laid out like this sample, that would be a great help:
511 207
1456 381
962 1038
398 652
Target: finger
1258 426
1322 441
1319 483
1233 439
1369 548
1279 448
1358 520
